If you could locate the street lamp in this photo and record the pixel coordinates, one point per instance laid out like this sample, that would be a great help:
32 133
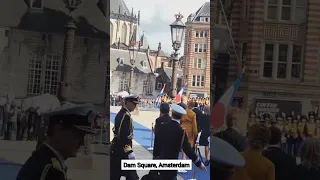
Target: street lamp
133 52
177 34
64 85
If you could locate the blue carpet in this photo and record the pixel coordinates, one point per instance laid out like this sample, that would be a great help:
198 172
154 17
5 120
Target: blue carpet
142 136
9 170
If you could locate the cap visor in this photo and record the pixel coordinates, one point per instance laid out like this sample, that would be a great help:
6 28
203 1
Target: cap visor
86 129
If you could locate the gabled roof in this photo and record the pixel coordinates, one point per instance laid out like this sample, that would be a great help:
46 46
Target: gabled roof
51 19
203 11
116 54
115 4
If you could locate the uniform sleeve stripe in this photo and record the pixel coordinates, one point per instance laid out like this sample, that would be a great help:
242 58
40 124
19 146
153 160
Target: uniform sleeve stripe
45 172
197 160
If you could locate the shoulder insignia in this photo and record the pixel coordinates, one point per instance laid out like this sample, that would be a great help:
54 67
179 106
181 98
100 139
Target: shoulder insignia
56 164
45 172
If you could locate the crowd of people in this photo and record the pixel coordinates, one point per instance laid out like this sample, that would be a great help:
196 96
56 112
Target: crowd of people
280 148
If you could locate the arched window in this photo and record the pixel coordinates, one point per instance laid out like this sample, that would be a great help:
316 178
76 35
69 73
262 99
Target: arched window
124 33
111 33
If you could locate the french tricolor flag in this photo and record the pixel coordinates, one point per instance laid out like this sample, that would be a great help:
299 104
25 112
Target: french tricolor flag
179 95
220 109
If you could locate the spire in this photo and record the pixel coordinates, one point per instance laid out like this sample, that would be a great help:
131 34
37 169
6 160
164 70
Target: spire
159 46
132 12
138 18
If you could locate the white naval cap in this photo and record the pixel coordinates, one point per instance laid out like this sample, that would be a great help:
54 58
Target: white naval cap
178 109
225 154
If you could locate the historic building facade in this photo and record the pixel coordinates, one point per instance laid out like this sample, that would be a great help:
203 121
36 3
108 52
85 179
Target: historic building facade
31 48
197 53
278 42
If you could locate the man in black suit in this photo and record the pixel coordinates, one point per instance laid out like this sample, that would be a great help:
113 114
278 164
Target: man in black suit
198 114
231 135
66 131
164 115
171 140
284 163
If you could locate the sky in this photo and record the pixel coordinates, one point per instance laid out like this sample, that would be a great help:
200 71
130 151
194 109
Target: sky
156 16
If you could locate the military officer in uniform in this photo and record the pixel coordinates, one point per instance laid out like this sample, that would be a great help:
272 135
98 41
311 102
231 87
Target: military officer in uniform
224 159
171 139
66 131
121 146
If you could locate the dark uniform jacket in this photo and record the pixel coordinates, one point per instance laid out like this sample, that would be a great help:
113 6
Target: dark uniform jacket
42 165
159 120
121 145
171 139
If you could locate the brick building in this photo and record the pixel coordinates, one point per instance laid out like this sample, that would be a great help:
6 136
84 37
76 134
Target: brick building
278 42
31 47
197 53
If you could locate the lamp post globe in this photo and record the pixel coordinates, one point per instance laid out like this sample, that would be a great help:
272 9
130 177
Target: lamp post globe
177 33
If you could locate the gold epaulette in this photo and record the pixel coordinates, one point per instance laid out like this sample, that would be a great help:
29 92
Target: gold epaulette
127 148
45 172
56 164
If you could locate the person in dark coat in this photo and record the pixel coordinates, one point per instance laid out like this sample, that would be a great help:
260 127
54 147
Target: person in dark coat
204 128
284 163
66 131
309 169
198 114
121 146
164 115
231 135
171 140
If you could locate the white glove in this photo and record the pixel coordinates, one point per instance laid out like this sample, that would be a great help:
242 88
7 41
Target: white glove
131 156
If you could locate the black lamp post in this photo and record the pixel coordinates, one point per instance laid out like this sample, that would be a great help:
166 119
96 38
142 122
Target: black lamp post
177 34
133 52
64 85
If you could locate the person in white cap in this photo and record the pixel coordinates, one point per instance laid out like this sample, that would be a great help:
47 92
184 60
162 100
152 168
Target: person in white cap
171 139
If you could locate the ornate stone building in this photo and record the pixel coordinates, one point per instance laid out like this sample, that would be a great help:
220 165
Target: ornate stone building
278 42
197 52
31 47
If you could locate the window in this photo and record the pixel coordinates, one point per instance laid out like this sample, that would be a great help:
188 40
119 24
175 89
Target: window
268 60
124 84
159 85
246 10
196 48
243 53
43 76
282 61
188 46
300 10
202 19
147 87
52 74
286 10
36 4
144 64
200 48
197 34
204 47
296 61
34 76
199 63
205 34
197 81
272 9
